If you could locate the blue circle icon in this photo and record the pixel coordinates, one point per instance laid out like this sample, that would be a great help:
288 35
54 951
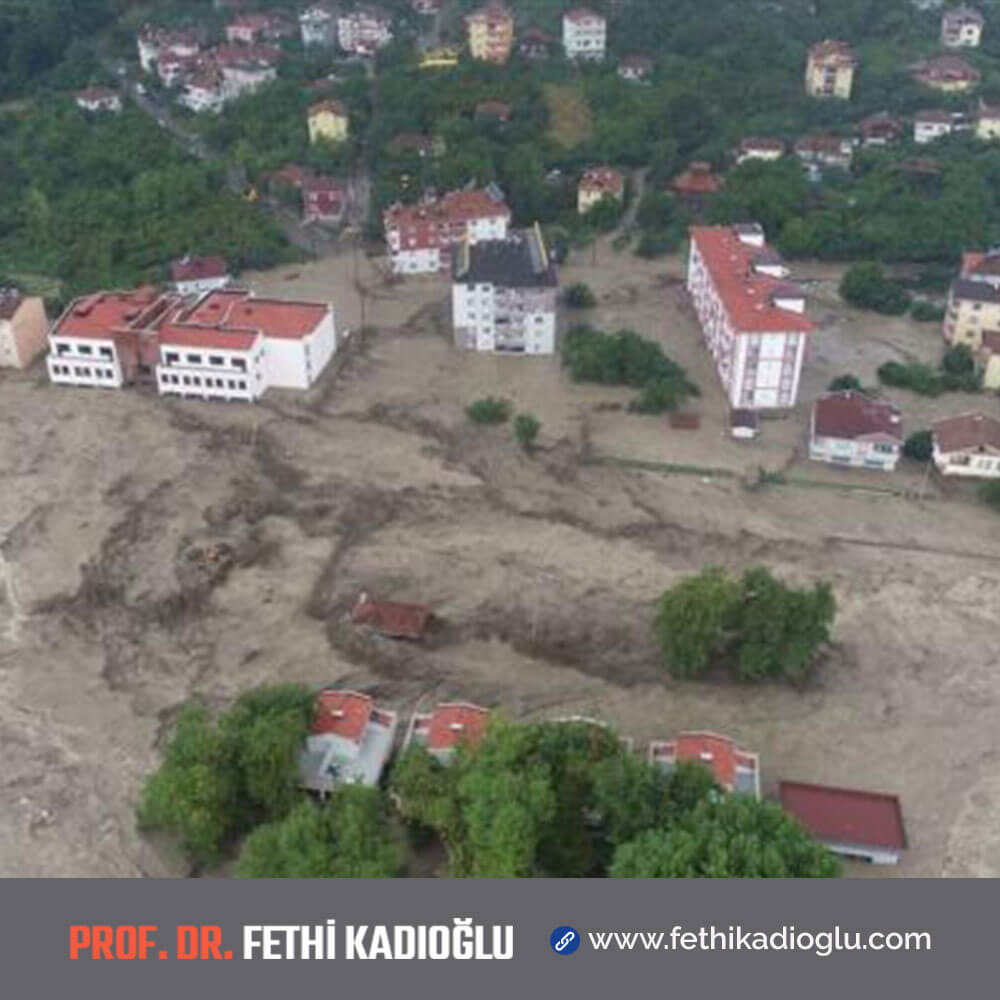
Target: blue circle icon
564 940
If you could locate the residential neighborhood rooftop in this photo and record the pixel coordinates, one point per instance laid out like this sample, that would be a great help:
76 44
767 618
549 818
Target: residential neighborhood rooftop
519 261
849 415
967 431
845 816
392 618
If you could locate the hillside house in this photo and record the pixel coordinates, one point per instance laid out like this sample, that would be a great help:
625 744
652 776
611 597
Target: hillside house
596 184
449 726
825 151
696 184
948 74
987 119
24 328
760 148
967 445
961 27
197 275
733 768
349 742
754 322
324 199
99 99
498 111
973 306
850 428
830 68
328 121
491 33
584 35
880 129
636 69
504 295
318 27
865 825
155 45
392 619
421 237
204 91
535 44
932 124
364 30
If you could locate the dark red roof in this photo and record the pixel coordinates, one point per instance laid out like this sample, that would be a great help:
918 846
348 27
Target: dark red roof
196 268
845 816
968 430
342 713
401 621
850 415
10 302
454 723
697 179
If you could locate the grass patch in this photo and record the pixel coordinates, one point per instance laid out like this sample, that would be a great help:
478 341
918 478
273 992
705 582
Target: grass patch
570 118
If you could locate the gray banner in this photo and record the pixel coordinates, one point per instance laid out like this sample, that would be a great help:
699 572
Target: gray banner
951 927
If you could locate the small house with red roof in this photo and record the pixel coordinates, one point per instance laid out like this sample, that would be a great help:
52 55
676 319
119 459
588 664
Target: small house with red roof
967 445
596 184
197 275
324 199
752 318
850 428
946 73
392 618
733 768
856 824
450 725
349 742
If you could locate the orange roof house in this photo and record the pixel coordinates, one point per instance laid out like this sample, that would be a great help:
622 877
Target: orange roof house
734 769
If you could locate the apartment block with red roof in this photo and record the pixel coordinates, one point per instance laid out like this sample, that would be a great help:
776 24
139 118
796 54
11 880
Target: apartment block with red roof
850 428
450 725
734 769
349 742
421 237
752 318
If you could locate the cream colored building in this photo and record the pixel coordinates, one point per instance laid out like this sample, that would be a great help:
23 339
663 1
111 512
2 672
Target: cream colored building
830 70
24 329
987 122
596 184
491 33
328 120
967 445
974 300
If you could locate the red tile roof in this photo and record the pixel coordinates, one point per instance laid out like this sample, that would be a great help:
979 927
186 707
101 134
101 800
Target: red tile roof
99 314
606 180
697 179
830 51
850 415
273 317
746 295
401 621
332 105
454 209
966 431
196 268
207 337
845 816
719 753
754 142
453 723
342 713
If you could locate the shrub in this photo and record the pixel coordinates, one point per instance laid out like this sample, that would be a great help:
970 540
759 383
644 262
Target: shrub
866 286
526 428
844 382
656 244
926 312
919 446
989 493
958 360
580 296
917 377
491 410
662 395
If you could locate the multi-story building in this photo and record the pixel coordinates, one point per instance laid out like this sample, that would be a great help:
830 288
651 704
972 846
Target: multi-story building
318 26
324 199
825 151
934 123
754 322
225 345
349 742
967 445
449 726
503 295
949 74
596 184
491 32
830 70
24 328
420 237
156 44
246 68
364 30
585 34
205 90
850 428
880 129
973 307
328 120
733 768
961 27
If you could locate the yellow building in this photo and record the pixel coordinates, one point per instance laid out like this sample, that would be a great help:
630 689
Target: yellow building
328 120
440 58
973 310
597 184
830 70
987 122
491 33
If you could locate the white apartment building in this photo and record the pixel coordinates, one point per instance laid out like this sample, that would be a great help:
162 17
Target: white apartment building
504 296
961 28
753 320
421 237
318 26
585 34
225 345
932 124
364 30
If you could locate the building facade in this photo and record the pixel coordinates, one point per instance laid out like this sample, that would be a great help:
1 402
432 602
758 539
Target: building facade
961 27
932 124
733 768
99 99
973 306
967 445
364 30
757 148
24 328
585 34
596 184
318 26
830 69
949 74
328 120
849 428
504 295
753 321
491 33
420 237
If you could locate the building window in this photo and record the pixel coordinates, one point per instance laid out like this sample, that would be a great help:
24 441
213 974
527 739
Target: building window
242 384
106 352
172 357
240 364
187 379
232 383
215 359
85 349
194 359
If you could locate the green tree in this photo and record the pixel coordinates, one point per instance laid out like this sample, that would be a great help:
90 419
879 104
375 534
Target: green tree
845 382
490 410
866 286
580 296
694 621
919 446
348 836
989 493
732 836
526 428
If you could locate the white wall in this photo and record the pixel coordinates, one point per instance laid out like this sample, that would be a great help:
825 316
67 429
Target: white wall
190 371
80 361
